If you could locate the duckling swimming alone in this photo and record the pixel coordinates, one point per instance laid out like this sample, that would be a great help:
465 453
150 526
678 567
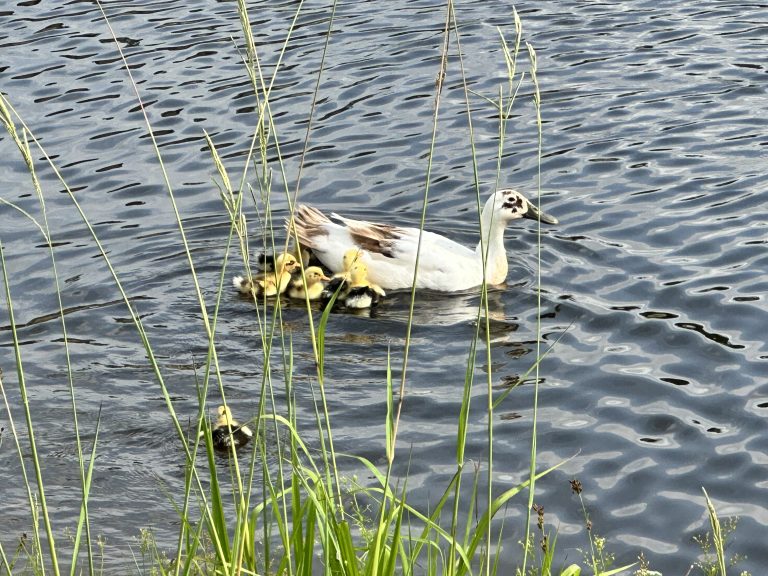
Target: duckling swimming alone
269 283
228 432
314 289
390 251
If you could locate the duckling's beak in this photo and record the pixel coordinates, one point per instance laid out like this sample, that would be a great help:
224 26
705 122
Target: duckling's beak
325 278
535 214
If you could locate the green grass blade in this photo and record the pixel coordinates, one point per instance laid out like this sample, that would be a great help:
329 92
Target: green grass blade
717 533
28 415
83 518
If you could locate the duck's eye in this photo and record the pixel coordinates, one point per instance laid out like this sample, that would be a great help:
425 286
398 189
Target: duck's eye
513 203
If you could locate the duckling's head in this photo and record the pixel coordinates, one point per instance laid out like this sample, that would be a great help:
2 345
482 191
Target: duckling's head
350 257
358 274
315 274
286 263
225 416
510 204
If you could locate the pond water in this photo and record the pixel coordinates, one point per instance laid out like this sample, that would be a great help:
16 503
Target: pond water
654 161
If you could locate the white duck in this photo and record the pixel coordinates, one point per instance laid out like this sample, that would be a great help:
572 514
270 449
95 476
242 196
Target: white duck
390 251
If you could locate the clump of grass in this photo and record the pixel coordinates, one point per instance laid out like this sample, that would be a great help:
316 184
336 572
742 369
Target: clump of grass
714 544
597 557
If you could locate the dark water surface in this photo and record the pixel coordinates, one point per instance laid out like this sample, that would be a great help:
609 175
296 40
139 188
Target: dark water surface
654 159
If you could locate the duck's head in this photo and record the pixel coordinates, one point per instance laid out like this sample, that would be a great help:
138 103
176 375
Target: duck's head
315 274
510 204
286 263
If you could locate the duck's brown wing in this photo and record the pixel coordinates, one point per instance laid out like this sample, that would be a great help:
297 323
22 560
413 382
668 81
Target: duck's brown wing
373 237
310 224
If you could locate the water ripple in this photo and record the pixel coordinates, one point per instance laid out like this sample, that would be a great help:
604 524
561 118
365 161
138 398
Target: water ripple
653 284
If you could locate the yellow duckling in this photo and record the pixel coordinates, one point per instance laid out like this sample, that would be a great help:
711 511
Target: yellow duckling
228 432
269 283
304 255
315 278
350 257
339 280
361 293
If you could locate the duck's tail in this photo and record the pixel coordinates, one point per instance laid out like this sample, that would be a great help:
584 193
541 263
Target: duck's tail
309 223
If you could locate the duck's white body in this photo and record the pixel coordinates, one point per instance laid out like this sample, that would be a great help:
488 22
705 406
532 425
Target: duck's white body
389 252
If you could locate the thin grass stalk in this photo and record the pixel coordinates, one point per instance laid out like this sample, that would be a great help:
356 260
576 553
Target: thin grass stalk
409 324
483 295
166 178
253 68
375 555
497 557
137 322
303 540
292 202
26 152
267 391
717 533
233 203
132 312
430 522
201 302
265 181
587 522
4 561
184 538
250 556
314 486
532 471
201 431
28 416
330 464
284 508
435 116
472 503
23 145
282 521
298 511
213 507
494 507
324 541
471 360
27 484
389 570
83 517
209 324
